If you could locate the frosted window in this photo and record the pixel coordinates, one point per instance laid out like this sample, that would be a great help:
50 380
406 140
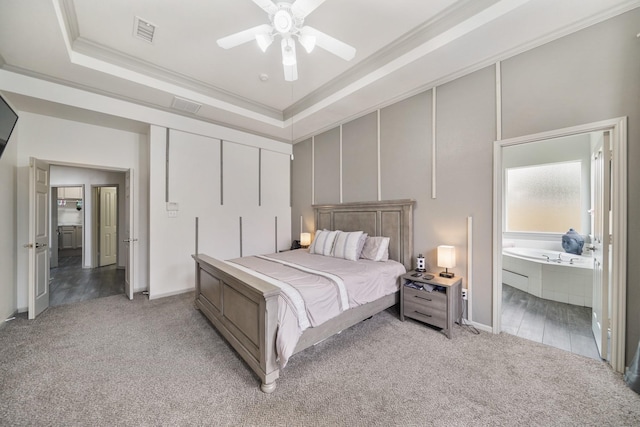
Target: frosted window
543 198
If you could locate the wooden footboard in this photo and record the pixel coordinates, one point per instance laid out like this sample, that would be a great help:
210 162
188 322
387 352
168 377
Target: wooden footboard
244 310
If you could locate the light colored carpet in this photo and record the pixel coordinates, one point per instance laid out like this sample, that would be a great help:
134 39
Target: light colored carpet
116 362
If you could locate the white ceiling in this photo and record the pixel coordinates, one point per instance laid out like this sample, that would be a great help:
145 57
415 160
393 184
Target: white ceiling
403 47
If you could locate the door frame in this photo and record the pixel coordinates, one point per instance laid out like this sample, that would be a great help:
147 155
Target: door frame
129 216
618 269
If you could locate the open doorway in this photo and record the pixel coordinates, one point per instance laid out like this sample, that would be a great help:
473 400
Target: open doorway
547 294
604 227
75 274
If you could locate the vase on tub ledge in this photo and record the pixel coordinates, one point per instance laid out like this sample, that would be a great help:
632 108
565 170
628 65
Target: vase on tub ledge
572 242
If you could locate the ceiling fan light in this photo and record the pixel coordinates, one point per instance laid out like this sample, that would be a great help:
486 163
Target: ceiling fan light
290 73
264 41
308 42
288 52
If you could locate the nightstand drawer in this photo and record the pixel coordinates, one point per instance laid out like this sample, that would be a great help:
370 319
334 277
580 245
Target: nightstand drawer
426 299
433 315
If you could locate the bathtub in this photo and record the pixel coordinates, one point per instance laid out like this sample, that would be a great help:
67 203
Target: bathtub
553 257
552 275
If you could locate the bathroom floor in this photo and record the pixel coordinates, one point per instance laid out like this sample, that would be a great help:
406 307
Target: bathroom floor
70 283
557 324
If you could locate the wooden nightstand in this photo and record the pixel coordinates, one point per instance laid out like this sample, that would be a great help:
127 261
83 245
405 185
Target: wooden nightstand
437 308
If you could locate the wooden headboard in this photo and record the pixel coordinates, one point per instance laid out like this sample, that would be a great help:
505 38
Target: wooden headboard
391 218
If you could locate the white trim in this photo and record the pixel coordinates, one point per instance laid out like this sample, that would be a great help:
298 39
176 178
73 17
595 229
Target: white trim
379 162
65 95
170 294
469 267
341 182
618 129
313 170
434 149
619 245
498 101
454 33
481 327
149 80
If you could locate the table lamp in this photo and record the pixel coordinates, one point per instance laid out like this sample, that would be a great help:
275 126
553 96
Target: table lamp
446 259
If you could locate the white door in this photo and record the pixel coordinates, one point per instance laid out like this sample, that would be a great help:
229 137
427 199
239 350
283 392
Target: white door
38 237
108 226
129 239
600 240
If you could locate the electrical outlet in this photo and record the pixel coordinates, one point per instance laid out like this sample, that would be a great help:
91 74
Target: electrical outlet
464 294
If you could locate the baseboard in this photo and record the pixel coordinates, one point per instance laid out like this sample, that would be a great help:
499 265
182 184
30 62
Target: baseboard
172 293
11 316
481 326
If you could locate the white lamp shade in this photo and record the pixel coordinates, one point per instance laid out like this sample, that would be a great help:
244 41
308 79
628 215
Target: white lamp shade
305 239
446 256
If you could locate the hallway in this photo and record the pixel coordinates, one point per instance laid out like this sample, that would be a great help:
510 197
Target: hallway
70 283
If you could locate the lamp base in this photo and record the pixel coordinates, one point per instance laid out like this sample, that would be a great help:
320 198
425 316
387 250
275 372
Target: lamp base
447 274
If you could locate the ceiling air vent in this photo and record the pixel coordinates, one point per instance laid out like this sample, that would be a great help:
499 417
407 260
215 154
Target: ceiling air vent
143 30
185 105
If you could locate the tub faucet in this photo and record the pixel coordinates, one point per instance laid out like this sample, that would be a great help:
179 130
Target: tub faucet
559 259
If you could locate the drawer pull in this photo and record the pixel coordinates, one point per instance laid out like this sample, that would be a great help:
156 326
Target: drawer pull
422 314
426 299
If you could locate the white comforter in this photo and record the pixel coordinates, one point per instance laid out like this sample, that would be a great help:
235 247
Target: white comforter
316 288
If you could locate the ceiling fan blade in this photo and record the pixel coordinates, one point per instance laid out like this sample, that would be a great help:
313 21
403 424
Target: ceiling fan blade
329 43
243 36
267 5
301 8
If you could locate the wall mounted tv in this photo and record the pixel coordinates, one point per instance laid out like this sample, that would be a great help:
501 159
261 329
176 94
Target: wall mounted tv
8 119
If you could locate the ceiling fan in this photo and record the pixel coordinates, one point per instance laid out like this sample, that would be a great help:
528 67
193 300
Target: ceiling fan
287 21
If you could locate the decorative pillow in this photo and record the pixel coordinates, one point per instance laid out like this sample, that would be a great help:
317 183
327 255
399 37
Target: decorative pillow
376 249
323 242
361 243
346 245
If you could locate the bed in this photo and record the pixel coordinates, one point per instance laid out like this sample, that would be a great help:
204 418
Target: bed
243 306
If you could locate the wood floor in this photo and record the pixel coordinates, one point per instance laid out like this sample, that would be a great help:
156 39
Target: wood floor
70 283
553 323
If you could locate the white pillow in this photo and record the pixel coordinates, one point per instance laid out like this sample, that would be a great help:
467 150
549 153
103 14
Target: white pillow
346 245
323 242
376 248
361 243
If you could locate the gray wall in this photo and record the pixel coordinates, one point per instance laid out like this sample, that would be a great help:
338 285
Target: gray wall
585 77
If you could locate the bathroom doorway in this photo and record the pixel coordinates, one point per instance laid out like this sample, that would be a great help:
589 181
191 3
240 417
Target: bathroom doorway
546 293
550 306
